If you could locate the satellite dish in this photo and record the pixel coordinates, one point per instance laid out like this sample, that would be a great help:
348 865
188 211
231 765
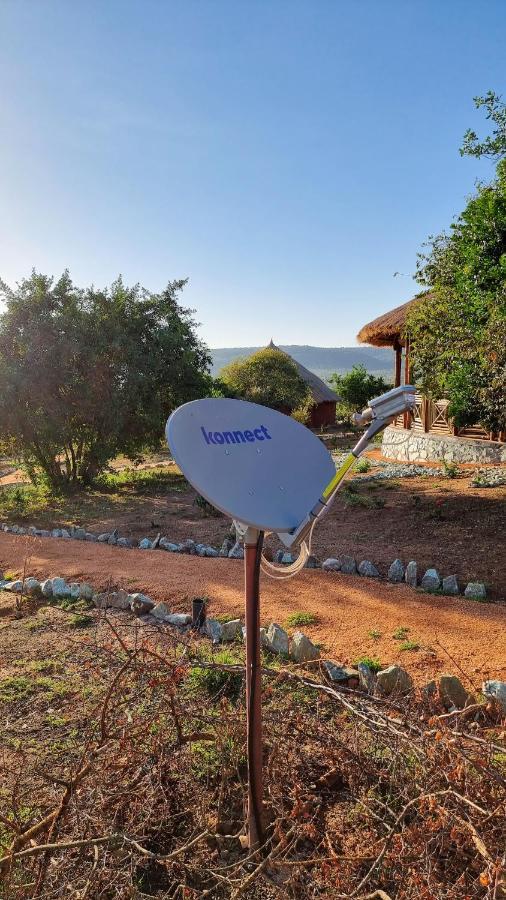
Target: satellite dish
256 465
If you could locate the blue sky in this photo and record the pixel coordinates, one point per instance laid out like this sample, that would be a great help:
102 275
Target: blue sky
287 157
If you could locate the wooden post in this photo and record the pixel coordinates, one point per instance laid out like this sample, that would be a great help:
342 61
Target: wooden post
398 363
253 693
407 377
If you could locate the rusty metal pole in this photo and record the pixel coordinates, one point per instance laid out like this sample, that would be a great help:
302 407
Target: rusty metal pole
252 549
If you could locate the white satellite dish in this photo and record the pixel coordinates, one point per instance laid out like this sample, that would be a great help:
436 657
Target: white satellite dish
256 465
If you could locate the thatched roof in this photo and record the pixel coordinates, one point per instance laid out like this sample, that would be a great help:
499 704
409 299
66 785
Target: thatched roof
387 330
320 391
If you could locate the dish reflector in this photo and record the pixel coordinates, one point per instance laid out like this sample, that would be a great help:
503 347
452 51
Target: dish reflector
254 464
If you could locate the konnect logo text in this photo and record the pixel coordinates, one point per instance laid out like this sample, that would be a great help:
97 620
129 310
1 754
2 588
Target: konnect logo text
236 437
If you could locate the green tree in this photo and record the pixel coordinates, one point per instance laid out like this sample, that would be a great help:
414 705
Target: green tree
355 389
87 374
494 145
458 330
268 377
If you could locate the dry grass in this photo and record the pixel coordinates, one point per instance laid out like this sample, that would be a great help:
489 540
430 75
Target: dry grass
123 776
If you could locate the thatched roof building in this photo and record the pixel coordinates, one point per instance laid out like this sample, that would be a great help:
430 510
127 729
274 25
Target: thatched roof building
388 330
324 399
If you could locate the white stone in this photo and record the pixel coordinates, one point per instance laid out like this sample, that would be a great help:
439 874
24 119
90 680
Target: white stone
46 588
367 569
103 538
85 591
331 565
410 575
32 586
213 629
475 590
348 565
161 611
277 639
450 585
140 604
113 600
236 552
302 649
179 619
396 572
394 679
431 581
145 544
60 587
231 631
496 691
75 588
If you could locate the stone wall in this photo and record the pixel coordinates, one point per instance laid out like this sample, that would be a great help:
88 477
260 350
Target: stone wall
398 443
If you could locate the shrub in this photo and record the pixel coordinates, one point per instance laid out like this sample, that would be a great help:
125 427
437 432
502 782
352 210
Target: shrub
269 377
300 618
355 390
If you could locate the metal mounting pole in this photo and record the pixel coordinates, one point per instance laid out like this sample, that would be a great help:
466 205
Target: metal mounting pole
252 548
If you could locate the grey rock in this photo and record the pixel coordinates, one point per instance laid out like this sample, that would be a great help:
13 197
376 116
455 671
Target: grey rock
79 534
124 542
90 537
396 572
211 552
452 692
161 611
21 530
200 549
311 562
366 678
140 604
236 552
65 534
14 587
226 547
475 590
85 591
103 538
331 565
56 533
168 545
213 629
178 619
450 585
287 559
31 531
394 680
156 541
74 588
277 639
429 690
231 631
60 587
42 533
32 587
302 649
339 674
113 540
367 569
348 565
145 544
496 691
46 588
431 581
188 546
410 575
112 600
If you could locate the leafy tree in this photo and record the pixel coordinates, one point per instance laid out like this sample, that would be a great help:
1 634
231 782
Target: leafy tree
268 377
458 330
87 374
355 389
494 145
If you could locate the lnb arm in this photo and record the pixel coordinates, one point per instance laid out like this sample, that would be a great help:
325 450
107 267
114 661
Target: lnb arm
380 412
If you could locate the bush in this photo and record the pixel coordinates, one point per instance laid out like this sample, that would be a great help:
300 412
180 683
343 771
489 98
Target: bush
270 378
355 390
88 374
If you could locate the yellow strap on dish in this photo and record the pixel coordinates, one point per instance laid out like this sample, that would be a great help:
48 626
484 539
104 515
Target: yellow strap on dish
338 477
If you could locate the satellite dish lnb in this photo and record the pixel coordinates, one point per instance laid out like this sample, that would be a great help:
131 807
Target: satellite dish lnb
256 465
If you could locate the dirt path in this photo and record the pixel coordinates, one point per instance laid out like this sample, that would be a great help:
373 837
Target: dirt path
348 608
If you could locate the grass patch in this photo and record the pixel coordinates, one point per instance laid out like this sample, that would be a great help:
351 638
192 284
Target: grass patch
15 688
401 633
80 620
217 682
409 645
142 481
351 497
372 661
363 465
300 618
375 634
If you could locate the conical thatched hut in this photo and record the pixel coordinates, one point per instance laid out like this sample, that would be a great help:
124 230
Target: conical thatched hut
323 411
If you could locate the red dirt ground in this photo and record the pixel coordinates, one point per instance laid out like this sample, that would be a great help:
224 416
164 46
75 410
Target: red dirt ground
454 634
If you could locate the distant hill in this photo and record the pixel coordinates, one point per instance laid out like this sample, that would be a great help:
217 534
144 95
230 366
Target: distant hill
323 361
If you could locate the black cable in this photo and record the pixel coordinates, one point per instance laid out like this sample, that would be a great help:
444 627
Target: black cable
252 681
